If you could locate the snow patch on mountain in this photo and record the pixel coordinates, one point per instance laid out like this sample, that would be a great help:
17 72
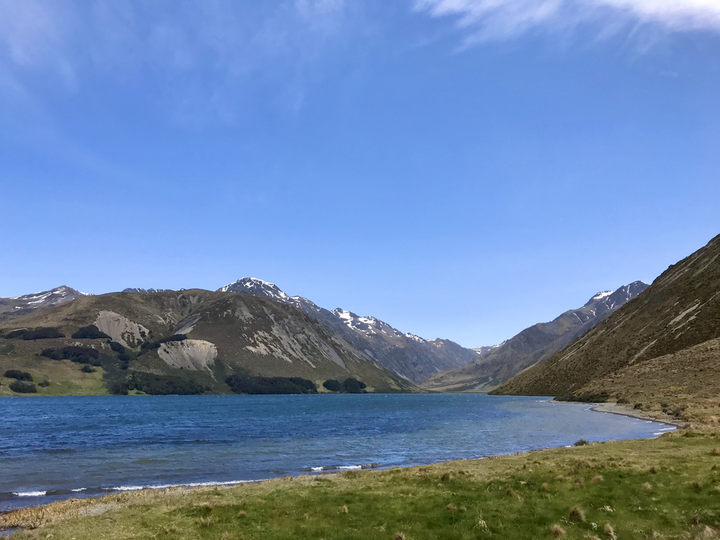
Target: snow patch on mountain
257 287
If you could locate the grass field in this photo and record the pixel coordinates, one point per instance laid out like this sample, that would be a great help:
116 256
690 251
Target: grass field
663 488
65 378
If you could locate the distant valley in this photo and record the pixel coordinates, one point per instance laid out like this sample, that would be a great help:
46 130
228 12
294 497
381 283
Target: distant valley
500 363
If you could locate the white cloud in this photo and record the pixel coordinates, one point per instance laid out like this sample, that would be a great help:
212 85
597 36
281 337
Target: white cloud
199 56
502 19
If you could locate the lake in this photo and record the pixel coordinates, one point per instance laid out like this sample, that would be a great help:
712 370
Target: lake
54 448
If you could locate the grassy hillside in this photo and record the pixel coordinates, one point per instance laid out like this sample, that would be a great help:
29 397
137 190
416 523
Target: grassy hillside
181 342
659 344
663 488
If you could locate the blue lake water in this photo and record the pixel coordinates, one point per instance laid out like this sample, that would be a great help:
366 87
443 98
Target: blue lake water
58 447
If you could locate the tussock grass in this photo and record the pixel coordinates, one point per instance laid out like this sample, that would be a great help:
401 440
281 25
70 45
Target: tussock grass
577 514
518 497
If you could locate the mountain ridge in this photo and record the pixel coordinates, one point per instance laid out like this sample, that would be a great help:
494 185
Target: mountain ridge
194 338
532 345
678 312
18 306
406 354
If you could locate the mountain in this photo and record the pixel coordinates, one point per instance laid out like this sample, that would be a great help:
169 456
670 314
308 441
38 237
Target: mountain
183 342
19 306
657 343
500 363
410 356
140 290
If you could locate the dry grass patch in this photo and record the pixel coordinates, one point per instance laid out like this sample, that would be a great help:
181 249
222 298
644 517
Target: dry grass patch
557 531
577 514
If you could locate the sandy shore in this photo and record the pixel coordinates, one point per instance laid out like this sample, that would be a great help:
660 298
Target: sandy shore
614 408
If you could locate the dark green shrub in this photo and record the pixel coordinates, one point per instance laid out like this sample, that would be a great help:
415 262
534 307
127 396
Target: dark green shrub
123 354
163 384
44 383
245 384
118 388
22 387
590 397
38 333
79 355
333 385
89 332
581 442
88 369
148 346
151 345
353 386
18 375
174 337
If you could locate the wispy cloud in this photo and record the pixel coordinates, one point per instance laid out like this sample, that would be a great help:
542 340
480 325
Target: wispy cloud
199 55
502 19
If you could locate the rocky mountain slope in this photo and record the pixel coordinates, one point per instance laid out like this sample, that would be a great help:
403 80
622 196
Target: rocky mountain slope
502 362
19 306
667 335
405 354
189 340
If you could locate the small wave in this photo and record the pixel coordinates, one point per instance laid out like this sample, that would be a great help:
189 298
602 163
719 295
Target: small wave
186 485
29 493
342 467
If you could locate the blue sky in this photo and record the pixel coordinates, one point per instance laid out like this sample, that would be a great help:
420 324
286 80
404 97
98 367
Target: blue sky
458 168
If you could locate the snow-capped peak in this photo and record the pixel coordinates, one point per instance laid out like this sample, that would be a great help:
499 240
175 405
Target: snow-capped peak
601 295
366 325
415 338
257 287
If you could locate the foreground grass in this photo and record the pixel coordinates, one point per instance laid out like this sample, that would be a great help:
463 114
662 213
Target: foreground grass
663 488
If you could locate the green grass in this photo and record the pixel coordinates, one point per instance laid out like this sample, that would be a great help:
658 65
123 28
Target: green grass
65 377
664 488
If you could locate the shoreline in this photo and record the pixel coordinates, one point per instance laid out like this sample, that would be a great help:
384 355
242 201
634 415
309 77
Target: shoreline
13 521
610 408
621 410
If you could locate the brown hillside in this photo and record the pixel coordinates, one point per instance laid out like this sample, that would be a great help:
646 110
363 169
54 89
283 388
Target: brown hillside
679 310
223 334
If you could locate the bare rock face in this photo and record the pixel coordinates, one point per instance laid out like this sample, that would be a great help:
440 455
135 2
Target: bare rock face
190 354
121 329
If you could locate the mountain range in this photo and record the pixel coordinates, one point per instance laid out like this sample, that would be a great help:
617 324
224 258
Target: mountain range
188 341
406 354
662 347
440 364
18 306
500 363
